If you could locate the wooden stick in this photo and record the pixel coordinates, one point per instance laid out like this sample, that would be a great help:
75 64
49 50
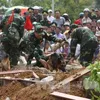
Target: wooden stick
68 96
71 78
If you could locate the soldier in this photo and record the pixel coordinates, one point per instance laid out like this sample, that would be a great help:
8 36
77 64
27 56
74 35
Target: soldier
33 42
88 42
45 21
13 28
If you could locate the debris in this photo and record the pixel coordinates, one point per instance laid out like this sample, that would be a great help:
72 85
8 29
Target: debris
67 96
47 79
71 78
7 98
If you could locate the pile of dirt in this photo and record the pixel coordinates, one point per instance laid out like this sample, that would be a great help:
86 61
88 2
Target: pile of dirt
59 76
41 91
34 92
73 88
10 89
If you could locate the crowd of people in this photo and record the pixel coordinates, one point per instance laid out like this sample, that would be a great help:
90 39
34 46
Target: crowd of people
34 34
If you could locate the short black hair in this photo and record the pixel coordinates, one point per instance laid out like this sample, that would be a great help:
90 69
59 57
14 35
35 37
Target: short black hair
17 10
57 11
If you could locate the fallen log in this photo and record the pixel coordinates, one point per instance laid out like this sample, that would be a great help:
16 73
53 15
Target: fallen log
67 96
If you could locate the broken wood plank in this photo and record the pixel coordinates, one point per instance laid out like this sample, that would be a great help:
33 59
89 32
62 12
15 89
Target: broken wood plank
17 79
71 78
19 71
14 72
67 96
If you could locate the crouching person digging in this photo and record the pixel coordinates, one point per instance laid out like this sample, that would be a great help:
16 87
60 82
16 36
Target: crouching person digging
33 42
88 42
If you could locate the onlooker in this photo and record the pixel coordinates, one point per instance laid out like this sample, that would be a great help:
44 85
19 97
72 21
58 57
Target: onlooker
98 25
86 15
36 14
53 28
50 17
59 35
67 20
79 20
58 19
97 11
45 22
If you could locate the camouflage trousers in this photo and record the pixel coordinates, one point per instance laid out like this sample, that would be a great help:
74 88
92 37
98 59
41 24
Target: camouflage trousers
87 51
11 48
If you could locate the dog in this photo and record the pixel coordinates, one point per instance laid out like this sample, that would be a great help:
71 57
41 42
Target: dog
5 64
56 62
4 61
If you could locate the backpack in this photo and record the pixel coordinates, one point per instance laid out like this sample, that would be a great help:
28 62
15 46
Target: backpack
13 32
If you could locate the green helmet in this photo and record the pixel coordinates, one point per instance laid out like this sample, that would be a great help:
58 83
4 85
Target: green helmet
39 29
36 23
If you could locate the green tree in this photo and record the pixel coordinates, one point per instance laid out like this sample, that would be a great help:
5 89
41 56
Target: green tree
72 7
3 3
97 3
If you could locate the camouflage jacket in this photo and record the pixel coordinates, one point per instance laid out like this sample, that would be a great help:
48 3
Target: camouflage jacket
31 44
18 20
81 36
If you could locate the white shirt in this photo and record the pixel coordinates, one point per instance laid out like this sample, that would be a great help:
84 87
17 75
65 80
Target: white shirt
50 18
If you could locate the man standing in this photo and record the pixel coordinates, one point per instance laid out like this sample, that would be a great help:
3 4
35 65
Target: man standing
50 17
58 19
36 14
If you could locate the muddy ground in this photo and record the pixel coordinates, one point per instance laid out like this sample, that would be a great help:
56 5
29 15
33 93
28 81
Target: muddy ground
41 91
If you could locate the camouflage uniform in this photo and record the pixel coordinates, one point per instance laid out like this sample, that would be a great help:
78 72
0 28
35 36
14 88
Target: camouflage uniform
85 37
10 45
32 46
45 23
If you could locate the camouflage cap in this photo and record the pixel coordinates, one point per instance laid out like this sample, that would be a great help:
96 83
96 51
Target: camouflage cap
39 29
73 26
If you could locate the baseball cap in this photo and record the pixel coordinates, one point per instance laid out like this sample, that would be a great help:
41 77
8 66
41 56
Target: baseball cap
36 7
65 14
49 10
86 9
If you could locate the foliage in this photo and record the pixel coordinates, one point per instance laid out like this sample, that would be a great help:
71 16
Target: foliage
72 7
3 3
93 81
97 3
